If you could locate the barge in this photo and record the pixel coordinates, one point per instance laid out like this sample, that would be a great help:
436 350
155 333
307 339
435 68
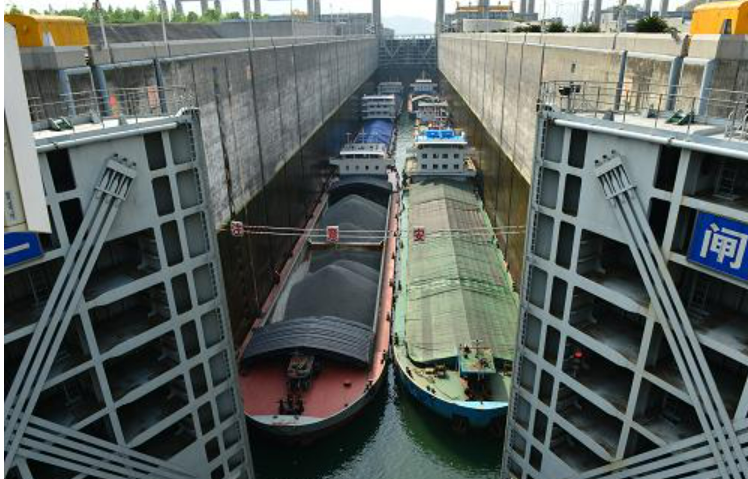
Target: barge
319 354
455 318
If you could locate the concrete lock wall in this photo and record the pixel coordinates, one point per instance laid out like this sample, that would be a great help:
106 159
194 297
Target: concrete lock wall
270 117
498 75
152 32
258 109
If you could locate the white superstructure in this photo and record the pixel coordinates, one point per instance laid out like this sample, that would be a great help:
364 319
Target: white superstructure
423 86
390 88
363 158
442 152
633 353
432 112
380 107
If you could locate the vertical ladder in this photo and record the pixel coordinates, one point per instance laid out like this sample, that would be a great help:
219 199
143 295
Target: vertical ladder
63 301
727 179
697 301
702 389
524 289
39 284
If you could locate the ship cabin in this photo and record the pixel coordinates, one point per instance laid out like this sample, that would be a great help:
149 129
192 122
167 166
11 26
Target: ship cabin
433 112
390 88
440 152
375 107
370 152
423 86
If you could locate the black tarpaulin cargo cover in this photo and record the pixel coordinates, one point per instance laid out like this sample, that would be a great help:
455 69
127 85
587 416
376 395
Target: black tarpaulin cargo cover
328 335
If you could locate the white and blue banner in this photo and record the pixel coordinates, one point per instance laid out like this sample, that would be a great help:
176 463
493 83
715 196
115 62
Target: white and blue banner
720 244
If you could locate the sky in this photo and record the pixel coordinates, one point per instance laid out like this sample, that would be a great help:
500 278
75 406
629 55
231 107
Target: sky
567 9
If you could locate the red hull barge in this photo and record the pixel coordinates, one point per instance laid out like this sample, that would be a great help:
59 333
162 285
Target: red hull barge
311 364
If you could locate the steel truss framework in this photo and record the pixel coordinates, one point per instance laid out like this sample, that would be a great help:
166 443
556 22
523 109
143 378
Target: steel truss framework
123 368
408 51
30 437
718 450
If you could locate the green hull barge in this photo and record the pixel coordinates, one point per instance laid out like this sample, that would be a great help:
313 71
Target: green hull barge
456 313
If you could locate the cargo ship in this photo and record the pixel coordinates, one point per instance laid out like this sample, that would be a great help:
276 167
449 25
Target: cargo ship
455 317
423 90
319 353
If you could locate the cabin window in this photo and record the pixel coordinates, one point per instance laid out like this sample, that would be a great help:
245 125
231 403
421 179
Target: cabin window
445 156
357 167
436 155
424 155
424 166
457 167
376 167
457 156
347 168
367 168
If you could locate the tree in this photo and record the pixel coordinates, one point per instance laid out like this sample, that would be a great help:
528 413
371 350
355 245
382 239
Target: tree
527 29
651 24
120 15
177 17
211 15
555 27
152 13
588 28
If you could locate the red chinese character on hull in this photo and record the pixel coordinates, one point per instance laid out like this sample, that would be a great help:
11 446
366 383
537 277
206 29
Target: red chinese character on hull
333 234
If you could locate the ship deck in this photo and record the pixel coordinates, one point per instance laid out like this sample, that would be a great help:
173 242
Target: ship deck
457 286
455 289
340 384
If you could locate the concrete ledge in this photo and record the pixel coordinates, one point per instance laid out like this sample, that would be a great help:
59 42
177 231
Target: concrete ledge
646 43
138 51
656 43
722 47
127 52
597 41
52 58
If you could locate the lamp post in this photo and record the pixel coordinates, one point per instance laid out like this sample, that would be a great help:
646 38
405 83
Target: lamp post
97 7
162 7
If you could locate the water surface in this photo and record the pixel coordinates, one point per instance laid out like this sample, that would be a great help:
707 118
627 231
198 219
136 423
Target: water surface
395 437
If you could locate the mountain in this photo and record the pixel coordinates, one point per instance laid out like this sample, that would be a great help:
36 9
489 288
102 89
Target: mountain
409 25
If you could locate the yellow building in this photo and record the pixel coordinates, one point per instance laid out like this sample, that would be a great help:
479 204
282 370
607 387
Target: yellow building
49 30
721 17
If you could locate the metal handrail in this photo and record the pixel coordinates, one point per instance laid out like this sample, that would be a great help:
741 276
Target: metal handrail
98 105
612 100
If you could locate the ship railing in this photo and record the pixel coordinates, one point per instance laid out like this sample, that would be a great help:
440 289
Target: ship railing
674 105
94 106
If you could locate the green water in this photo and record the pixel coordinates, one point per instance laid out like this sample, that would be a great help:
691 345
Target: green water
395 437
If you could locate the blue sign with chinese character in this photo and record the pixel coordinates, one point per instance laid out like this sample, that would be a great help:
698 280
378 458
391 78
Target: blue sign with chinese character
720 244
20 247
